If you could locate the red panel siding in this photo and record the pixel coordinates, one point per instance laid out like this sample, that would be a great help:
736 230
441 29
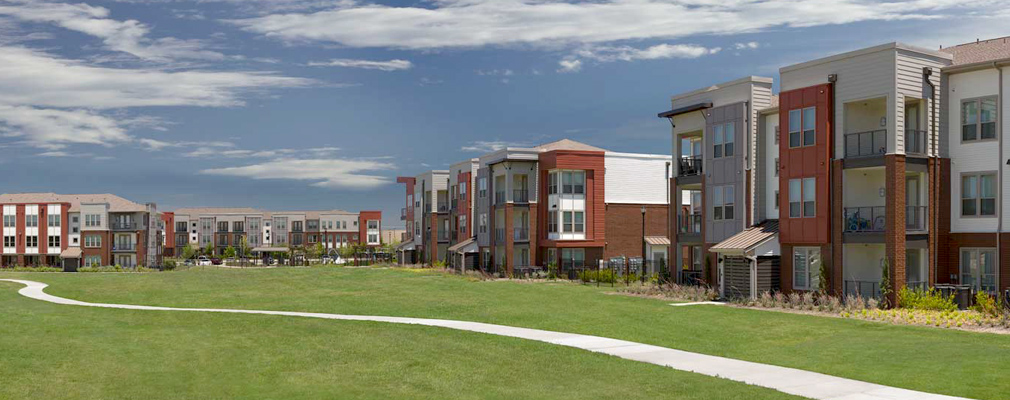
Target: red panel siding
806 162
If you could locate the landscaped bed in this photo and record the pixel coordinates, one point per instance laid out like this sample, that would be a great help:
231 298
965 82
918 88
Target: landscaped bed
927 359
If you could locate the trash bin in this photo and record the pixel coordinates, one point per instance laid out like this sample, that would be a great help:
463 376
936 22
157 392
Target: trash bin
962 294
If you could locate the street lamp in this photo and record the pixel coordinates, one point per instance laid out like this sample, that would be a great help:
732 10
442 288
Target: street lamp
643 244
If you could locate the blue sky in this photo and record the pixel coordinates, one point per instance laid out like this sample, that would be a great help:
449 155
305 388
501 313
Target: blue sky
309 104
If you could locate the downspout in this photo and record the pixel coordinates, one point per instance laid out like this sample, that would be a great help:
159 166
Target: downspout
934 172
832 81
999 177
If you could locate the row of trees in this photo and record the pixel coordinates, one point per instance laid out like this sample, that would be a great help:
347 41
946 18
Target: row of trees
312 252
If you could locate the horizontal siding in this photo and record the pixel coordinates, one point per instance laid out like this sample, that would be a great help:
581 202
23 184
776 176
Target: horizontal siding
908 84
636 180
969 157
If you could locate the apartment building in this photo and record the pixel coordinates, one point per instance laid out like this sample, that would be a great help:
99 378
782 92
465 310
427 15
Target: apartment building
546 205
267 231
884 158
73 230
428 194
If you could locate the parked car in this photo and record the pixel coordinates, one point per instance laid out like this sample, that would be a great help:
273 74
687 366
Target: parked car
203 260
216 261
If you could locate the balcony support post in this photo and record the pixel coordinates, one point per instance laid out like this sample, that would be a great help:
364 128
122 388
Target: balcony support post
894 235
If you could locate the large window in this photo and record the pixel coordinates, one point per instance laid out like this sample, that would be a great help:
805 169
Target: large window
803 127
32 221
482 187
180 226
54 242
9 220
373 224
802 198
32 241
724 201
724 140
806 268
978 119
54 220
573 221
552 222
978 195
572 182
10 241
978 269
573 258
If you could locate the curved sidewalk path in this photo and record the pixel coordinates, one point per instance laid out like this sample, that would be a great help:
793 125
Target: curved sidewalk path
786 380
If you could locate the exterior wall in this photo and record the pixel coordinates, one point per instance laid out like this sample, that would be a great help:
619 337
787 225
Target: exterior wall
624 227
483 211
767 184
168 218
637 178
806 162
363 231
594 165
726 171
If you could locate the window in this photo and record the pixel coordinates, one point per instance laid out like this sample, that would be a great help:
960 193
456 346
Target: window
580 224
9 220
372 224
724 141
482 223
572 182
296 226
567 215
180 226
776 166
482 187
579 182
31 241
222 226
978 195
10 241
54 241
573 258
92 241
566 183
462 189
313 238
724 200
978 268
54 220
776 199
802 127
238 226
802 198
806 268
777 134
93 261
31 221
92 220
552 222
978 119
552 183
373 238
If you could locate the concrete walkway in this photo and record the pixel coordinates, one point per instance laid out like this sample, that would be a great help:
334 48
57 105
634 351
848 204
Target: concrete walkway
786 380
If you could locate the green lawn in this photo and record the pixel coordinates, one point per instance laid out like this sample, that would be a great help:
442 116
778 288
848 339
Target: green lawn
293 356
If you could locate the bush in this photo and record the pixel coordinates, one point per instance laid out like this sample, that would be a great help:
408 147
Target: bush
986 305
36 269
170 265
930 299
674 291
602 276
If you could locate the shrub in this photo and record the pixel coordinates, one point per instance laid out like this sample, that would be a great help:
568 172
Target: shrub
986 305
170 265
930 299
36 269
602 276
674 291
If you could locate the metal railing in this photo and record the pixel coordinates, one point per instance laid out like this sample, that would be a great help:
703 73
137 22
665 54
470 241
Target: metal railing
499 197
916 217
690 223
915 142
689 166
692 277
124 226
865 219
864 289
520 196
403 214
443 236
124 246
442 207
917 285
866 144
520 234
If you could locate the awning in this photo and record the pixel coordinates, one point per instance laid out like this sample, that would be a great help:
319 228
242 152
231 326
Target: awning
71 252
270 249
466 246
684 110
406 246
761 239
657 240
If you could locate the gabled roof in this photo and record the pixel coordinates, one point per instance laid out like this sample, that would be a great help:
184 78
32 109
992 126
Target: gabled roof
116 203
749 238
980 51
567 144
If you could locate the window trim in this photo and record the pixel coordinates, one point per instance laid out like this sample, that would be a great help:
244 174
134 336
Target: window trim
802 202
719 202
978 189
809 271
978 123
978 252
800 124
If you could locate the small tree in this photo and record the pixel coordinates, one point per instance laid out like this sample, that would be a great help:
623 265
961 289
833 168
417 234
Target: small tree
243 247
229 252
188 252
209 249
885 282
315 251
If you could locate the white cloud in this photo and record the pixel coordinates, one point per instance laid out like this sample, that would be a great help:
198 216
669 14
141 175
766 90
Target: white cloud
129 36
391 65
478 23
55 129
661 51
495 72
747 46
324 173
570 66
481 146
207 151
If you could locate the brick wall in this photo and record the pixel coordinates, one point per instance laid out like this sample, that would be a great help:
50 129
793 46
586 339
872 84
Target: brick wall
894 235
624 227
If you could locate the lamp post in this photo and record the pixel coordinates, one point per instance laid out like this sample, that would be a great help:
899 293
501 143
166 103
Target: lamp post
643 245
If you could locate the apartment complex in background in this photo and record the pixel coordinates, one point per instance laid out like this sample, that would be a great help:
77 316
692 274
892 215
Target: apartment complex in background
889 157
73 230
267 231
563 203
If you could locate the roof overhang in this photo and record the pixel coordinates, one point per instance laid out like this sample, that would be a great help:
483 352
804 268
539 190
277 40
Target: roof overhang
976 66
466 246
657 240
71 252
269 249
406 246
686 109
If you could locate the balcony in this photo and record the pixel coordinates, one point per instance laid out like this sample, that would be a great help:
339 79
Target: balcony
864 289
453 205
124 226
915 142
865 219
499 197
443 236
124 247
499 235
915 218
866 144
520 196
520 234
690 224
442 207
690 166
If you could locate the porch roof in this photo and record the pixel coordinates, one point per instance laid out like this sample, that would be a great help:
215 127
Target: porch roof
71 252
466 246
657 240
749 238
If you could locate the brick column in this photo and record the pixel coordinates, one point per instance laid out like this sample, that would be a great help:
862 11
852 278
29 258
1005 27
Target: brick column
894 235
837 229
534 254
509 243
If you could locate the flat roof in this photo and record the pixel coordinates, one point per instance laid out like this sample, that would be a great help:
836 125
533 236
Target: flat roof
867 50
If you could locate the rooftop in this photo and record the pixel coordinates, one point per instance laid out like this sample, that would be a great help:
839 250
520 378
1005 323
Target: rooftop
980 51
116 203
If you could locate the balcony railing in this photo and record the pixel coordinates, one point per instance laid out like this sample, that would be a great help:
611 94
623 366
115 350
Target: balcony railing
443 236
499 197
915 142
124 246
690 166
520 234
520 196
865 219
866 144
499 235
864 289
690 223
443 207
916 217
691 277
124 226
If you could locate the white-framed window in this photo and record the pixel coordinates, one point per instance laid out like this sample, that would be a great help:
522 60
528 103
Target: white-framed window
806 268
462 222
803 198
978 194
573 258
802 127
9 220
978 119
92 261
552 222
978 268
92 241
373 238
373 224
53 220
724 140
10 241
574 221
32 221
724 203
482 187
92 219
462 189
54 241
32 241
482 223
572 182
552 183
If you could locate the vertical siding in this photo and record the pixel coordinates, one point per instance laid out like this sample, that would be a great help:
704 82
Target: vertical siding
636 178
726 171
806 162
